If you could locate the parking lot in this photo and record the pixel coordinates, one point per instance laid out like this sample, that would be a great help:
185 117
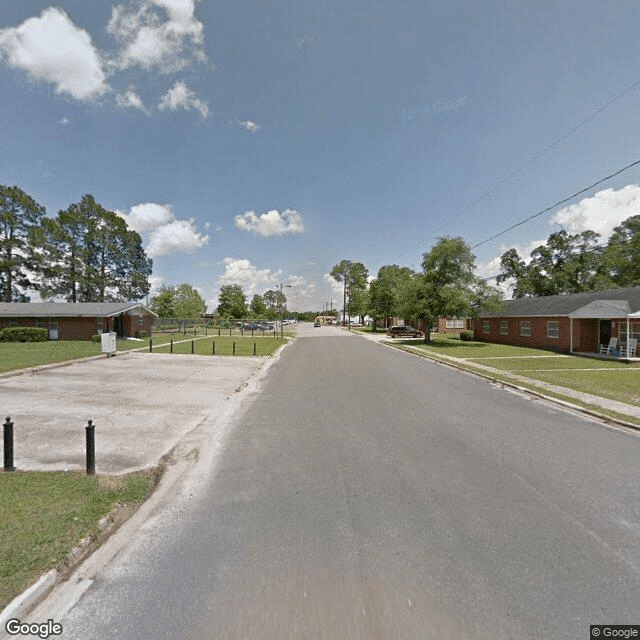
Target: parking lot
141 405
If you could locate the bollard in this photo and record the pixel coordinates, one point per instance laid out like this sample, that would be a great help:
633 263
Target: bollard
150 346
213 352
171 347
91 448
254 348
234 348
194 331
192 346
219 330
8 445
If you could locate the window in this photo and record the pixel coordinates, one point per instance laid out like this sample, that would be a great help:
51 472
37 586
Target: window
100 325
485 326
140 320
525 328
455 323
553 329
504 327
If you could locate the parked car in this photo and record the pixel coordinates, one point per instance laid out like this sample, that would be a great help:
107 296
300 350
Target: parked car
404 331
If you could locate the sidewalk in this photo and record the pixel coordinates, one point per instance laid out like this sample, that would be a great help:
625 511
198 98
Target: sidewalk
597 401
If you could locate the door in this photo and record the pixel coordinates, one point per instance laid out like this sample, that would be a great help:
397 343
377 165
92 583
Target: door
605 331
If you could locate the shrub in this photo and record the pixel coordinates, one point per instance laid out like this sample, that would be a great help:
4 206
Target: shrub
24 334
466 335
96 338
142 334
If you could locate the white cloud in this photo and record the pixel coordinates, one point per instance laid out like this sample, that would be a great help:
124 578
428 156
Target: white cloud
53 49
272 223
64 120
250 126
129 99
166 234
242 271
177 236
181 97
337 288
601 212
148 216
160 34
156 282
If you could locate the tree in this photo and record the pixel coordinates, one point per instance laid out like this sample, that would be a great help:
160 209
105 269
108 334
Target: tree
88 254
20 216
565 264
258 307
232 302
383 291
447 286
622 256
353 276
162 303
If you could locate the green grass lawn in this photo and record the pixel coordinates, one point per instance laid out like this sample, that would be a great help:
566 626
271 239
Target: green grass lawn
223 346
552 362
44 515
460 349
620 385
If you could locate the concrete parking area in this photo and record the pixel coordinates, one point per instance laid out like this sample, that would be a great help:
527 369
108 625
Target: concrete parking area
141 405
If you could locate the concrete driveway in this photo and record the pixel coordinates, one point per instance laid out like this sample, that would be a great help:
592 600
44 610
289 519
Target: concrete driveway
141 405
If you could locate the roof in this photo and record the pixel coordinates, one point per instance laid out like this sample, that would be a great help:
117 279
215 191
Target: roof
569 304
68 309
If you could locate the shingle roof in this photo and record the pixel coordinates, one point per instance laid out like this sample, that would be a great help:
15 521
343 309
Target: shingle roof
563 305
67 309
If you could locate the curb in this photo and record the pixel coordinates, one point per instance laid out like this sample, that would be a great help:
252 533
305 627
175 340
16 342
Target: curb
28 598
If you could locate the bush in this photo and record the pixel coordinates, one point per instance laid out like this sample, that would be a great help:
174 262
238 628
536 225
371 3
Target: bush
466 335
24 334
142 334
96 338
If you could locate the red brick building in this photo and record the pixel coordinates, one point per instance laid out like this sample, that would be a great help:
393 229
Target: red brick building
79 321
578 322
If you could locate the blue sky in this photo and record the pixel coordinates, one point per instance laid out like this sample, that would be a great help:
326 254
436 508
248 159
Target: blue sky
260 142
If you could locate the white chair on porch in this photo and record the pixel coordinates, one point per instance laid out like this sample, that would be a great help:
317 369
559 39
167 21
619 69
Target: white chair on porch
628 349
608 348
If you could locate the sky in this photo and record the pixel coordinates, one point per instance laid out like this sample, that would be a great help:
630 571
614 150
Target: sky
261 142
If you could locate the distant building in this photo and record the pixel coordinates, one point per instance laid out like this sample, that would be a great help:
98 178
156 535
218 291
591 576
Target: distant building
79 321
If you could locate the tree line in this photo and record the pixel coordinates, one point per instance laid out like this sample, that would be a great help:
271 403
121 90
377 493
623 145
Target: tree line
446 286
183 301
571 263
85 254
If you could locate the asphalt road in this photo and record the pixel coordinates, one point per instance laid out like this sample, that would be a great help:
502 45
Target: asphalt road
367 493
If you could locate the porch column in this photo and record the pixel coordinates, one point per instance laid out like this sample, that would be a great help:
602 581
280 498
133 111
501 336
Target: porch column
570 335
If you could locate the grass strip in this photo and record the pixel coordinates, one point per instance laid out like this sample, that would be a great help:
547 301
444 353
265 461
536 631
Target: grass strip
224 346
44 515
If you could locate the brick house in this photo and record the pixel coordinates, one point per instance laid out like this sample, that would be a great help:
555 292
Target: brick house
454 325
578 322
79 321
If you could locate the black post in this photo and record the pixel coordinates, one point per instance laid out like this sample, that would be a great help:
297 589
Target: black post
8 445
91 448
219 331
171 347
150 346
254 348
213 349
192 346
234 348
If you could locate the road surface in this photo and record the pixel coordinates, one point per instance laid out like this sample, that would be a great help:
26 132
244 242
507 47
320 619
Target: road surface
363 492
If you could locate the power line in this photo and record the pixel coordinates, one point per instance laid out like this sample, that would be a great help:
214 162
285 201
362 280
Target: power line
532 160
553 206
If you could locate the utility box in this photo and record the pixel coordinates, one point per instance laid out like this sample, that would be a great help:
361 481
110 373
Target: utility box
108 343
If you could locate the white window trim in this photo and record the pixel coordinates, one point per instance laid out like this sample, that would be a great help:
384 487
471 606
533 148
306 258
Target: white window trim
528 327
504 324
553 337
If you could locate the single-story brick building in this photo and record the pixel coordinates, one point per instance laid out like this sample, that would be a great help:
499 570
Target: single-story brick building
80 320
578 322
454 325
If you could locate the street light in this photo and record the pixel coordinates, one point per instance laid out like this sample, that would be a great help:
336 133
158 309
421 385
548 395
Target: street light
282 309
